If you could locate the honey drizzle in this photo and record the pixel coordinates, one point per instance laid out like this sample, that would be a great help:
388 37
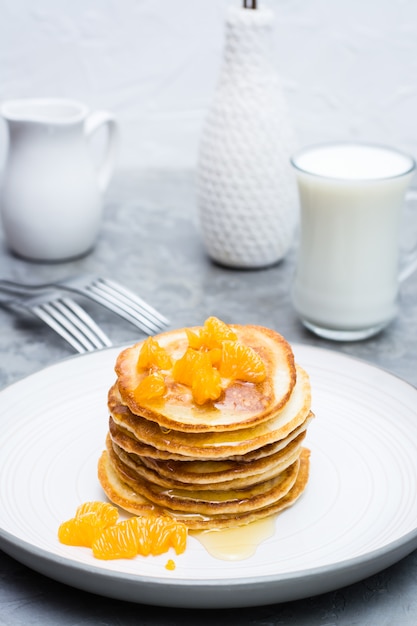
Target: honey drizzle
236 544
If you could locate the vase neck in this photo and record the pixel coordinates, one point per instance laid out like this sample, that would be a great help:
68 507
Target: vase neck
248 41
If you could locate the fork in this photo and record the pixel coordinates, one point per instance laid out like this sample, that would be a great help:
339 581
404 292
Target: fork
107 293
66 318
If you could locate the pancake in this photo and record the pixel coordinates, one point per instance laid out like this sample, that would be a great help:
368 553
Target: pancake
241 405
214 444
218 457
122 494
130 444
231 501
207 472
204 474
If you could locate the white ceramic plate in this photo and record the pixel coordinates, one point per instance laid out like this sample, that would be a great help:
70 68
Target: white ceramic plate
357 516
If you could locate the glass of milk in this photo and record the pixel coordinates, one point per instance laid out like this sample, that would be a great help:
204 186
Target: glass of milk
351 198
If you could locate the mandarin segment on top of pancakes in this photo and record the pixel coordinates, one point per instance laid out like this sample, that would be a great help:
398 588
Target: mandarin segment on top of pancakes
216 444
207 425
241 404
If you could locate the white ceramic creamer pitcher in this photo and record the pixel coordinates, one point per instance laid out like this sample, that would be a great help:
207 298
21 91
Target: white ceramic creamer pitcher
51 193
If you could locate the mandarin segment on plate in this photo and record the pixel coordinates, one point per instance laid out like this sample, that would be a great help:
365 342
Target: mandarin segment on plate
95 526
146 536
241 362
166 533
118 542
104 511
80 531
90 520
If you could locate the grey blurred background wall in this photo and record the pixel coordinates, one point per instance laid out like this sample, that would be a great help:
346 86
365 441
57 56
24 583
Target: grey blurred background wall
348 67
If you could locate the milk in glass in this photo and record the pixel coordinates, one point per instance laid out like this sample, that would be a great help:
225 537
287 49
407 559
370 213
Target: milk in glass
351 196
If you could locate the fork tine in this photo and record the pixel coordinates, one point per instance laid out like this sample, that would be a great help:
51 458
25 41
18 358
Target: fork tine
131 297
141 315
84 322
107 293
139 321
51 321
72 323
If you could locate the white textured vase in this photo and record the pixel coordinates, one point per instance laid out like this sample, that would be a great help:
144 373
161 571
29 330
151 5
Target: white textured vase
247 195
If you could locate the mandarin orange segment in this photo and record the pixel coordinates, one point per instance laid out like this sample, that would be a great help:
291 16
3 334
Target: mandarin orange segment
140 535
216 332
195 339
79 531
90 520
117 542
153 355
166 533
144 533
215 355
151 387
105 512
184 368
211 335
157 535
207 383
95 526
179 538
195 370
241 362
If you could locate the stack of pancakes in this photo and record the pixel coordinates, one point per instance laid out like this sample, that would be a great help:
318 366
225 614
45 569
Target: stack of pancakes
225 463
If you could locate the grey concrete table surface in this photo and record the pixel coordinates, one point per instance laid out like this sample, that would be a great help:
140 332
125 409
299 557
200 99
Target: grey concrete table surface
149 241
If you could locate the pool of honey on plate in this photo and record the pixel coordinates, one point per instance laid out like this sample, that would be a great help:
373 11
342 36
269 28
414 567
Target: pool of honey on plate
236 544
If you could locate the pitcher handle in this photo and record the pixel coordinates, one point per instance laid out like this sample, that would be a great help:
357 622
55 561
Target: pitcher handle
93 122
409 263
